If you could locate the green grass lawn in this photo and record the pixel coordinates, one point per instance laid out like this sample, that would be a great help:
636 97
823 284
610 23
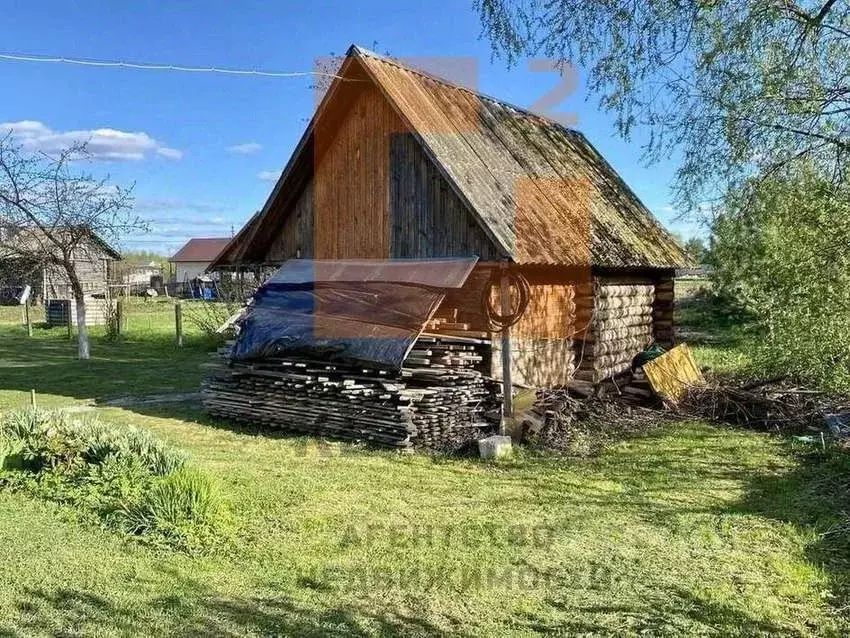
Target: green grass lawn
692 530
145 361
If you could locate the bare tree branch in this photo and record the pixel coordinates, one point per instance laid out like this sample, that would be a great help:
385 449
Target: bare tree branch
54 215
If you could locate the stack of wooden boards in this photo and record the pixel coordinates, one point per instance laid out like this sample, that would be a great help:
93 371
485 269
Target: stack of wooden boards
439 400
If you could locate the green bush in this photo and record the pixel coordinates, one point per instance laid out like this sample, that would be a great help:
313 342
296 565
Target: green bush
183 507
209 316
780 253
124 476
55 439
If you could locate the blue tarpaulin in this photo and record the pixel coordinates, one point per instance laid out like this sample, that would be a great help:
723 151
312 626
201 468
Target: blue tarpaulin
349 311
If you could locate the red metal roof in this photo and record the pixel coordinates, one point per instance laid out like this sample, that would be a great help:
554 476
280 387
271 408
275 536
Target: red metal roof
201 249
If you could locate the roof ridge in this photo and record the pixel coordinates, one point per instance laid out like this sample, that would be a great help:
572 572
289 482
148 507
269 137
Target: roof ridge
354 48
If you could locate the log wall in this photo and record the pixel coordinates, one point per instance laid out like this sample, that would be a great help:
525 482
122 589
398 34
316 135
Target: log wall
662 311
625 314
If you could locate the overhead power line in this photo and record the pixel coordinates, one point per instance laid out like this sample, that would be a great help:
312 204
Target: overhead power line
146 66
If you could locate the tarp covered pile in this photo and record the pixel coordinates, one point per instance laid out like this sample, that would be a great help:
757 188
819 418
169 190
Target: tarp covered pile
337 349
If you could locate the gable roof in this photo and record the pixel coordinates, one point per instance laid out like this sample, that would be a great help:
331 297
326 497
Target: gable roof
540 191
201 249
33 239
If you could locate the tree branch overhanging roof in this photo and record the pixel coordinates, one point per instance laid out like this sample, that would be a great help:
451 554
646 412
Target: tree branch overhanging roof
540 191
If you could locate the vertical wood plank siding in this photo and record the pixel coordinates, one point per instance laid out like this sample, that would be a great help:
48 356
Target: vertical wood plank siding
351 180
295 238
376 194
427 219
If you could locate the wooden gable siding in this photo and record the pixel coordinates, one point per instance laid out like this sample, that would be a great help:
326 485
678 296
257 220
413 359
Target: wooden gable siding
295 238
91 265
351 179
428 219
375 194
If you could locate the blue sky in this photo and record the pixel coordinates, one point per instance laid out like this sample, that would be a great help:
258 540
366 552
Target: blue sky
199 146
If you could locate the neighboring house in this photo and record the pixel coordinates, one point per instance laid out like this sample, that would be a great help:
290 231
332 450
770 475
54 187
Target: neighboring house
140 274
397 163
192 260
23 265
93 260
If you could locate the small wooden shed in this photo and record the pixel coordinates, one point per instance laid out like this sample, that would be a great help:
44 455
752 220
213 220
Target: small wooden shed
93 258
397 163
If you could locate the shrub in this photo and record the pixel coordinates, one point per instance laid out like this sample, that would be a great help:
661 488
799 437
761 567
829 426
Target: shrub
54 439
183 507
123 475
107 440
781 253
210 316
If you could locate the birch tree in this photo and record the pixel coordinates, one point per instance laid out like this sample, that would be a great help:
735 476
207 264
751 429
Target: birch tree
736 88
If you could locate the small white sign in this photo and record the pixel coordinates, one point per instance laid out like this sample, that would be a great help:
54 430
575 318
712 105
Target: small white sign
25 295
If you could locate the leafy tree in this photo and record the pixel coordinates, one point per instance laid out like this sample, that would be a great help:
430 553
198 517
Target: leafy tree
53 215
780 250
740 87
695 247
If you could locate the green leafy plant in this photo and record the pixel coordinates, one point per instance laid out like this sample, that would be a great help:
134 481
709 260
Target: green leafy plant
123 476
210 316
781 255
183 507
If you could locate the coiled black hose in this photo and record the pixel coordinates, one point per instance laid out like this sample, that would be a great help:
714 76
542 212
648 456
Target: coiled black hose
496 320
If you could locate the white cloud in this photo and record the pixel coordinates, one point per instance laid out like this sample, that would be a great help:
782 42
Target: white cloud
268 176
245 149
163 204
101 143
170 153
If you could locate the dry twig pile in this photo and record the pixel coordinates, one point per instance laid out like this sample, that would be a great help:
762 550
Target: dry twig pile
772 405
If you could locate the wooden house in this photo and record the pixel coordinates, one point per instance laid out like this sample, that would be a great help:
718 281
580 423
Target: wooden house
93 261
397 163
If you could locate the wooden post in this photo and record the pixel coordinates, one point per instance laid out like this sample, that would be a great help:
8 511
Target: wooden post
507 383
178 322
27 317
32 398
119 316
70 320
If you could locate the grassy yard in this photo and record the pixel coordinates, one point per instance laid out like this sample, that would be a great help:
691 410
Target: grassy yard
691 530
146 361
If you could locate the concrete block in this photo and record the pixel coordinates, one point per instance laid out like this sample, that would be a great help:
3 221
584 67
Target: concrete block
494 446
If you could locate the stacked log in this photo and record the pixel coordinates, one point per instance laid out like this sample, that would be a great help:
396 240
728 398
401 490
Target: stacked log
662 312
621 326
439 400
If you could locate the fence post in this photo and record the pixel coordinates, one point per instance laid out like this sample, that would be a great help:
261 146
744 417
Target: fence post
178 322
507 382
27 316
119 316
